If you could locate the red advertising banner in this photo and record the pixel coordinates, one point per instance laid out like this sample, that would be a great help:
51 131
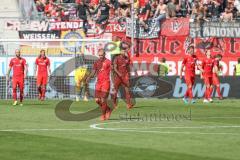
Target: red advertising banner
175 27
149 52
68 25
176 46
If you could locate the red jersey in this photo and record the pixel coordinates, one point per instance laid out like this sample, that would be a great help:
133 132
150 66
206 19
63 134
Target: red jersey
123 64
142 3
18 65
207 65
190 64
94 2
48 8
42 65
217 64
103 69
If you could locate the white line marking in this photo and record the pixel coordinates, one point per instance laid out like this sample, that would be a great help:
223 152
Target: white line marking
97 126
217 118
45 129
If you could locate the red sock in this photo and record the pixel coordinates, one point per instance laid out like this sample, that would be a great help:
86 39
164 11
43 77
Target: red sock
15 94
206 93
40 91
21 95
43 92
186 94
218 91
114 98
210 92
104 107
190 93
128 97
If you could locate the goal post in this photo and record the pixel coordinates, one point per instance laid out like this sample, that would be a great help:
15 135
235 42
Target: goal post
59 51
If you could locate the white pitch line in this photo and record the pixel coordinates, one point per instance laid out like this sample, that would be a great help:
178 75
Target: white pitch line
96 126
217 118
43 129
181 127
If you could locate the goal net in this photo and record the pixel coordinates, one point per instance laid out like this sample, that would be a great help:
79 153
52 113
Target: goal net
66 56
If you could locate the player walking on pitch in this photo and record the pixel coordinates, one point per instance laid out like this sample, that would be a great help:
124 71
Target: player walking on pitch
207 73
42 70
19 66
121 67
102 68
189 65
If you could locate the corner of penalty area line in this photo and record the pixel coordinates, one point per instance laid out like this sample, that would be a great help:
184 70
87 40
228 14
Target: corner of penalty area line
62 111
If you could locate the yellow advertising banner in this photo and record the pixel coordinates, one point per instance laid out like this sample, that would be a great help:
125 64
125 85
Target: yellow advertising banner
72 47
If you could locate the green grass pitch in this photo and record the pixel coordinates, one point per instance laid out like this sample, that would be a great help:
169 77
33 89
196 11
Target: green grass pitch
33 132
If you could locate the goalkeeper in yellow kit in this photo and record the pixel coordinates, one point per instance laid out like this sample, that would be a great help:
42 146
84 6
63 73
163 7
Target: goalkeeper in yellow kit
80 76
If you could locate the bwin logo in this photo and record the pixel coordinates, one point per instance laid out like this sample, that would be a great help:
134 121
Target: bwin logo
198 89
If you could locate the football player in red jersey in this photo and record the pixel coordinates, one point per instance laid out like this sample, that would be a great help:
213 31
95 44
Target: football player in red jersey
102 68
207 73
19 66
121 66
189 64
42 71
216 69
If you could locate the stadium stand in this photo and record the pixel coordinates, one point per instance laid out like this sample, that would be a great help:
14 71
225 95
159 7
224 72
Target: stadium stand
207 10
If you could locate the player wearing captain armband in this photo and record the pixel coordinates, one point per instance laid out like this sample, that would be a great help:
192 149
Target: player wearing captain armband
163 68
80 77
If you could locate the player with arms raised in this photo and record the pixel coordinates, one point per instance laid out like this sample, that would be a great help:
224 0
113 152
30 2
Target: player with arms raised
19 66
42 70
189 64
102 68
121 67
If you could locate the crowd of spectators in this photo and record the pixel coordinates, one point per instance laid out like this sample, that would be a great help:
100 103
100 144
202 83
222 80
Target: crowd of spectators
100 11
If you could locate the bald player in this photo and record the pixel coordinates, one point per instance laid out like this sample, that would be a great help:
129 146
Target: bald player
19 67
102 69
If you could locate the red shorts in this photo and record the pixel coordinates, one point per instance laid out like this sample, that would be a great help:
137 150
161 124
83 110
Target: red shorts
18 82
215 80
190 80
42 80
141 16
124 80
102 89
208 80
94 2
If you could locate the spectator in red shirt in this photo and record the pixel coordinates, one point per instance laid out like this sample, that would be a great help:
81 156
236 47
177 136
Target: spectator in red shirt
49 7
